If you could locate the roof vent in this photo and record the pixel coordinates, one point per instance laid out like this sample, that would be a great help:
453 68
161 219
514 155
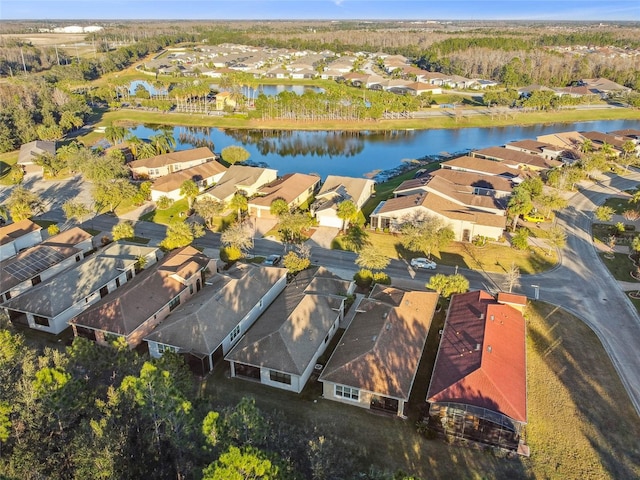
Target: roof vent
388 326
489 349
385 314
482 316
374 338
492 318
477 347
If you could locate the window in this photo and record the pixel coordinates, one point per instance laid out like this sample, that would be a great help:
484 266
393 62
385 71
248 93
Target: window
174 303
77 258
234 333
117 282
129 275
8 295
326 339
347 392
43 321
166 348
280 377
36 280
191 289
261 303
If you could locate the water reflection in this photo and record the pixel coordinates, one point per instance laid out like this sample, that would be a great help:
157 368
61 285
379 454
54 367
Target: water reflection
358 153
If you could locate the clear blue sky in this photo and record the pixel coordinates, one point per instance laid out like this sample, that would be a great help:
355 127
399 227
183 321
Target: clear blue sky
597 10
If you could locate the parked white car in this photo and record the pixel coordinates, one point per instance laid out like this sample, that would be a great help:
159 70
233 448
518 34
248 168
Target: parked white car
422 262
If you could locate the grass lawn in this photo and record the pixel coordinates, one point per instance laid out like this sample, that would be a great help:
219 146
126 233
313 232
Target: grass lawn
580 421
620 266
171 214
7 160
619 205
490 258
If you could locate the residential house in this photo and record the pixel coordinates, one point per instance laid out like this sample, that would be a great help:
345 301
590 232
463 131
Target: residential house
293 188
568 141
632 134
240 179
485 216
525 92
336 190
204 175
457 180
419 88
486 167
533 147
602 86
517 159
167 163
376 360
18 236
49 305
282 347
598 139
30 151
40 262
478 389
136 308
205 328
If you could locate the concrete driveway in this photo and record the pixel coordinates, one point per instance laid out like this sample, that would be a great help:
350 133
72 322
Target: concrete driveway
323 236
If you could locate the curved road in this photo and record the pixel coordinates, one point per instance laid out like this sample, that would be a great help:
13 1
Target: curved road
583 285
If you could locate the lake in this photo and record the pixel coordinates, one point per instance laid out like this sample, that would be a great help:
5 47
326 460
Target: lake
268 90
357 154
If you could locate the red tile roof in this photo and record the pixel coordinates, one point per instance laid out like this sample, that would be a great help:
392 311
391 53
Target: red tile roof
482 357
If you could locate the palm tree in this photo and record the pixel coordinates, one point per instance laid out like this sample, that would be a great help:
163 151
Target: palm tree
115 134
163 143
189 189
347 212
239 202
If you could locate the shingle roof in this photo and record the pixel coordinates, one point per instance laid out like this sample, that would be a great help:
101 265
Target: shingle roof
15 230
174 181
236 176
489 167
289 187
201 324
29 150
73 236
179 156
289 333
436 203
516 157
336 189
481 360
380 350
140 298
600 138
56 294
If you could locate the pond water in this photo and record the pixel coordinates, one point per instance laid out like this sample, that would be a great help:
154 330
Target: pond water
363 153
268 90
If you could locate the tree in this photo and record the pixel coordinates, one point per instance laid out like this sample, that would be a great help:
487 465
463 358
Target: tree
292 225
238 235
295 263
520 203
189 189
425 234
447 285
557 238
279 207
372 259
53 229
550 202
520 240
4 213
239 203
237 464
162 143
347 212
356 239
115 134
50 163
122 230
23 203
164 202
235 154
512 278
604 213
73 209
112 193
181 234
208 208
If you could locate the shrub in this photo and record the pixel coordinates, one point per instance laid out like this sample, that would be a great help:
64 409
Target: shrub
363 278
631 215
230 254
381 278
520 240
53 229
164 202
479 240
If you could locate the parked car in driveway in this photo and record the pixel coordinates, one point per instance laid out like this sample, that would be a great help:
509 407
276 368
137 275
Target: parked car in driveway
272 260
534 218
422 262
